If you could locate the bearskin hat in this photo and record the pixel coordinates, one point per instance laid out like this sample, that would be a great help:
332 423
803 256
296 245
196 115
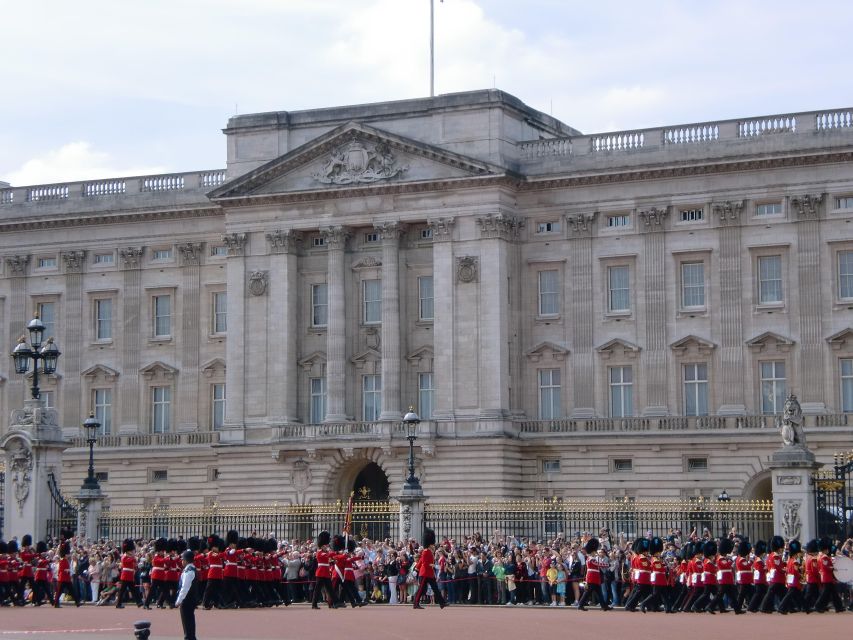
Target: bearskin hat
41 547
4 548
591 545
13 546
726 546
338 542
709 548
171 545
219 543
232 537
160 544
794 547
777 543
429 537
128 546
637 545
656 545
744 548
180 546
202 545
760 548
811 546
64 549
323 538
824 544
351 545
27 540
242 543
194 543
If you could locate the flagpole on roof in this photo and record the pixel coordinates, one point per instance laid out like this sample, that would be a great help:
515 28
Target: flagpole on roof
431 48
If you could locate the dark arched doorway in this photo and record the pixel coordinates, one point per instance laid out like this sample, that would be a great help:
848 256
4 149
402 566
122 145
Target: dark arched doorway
371 483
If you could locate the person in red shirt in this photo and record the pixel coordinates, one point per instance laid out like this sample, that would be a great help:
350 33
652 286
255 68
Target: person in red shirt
828 590
793 599
127 577
215 563
812 566
759 577
426 572
63 577
743 576
593 576
323 572
708 568
775 575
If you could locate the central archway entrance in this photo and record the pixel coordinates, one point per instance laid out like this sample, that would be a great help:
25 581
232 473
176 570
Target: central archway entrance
371 483
372 515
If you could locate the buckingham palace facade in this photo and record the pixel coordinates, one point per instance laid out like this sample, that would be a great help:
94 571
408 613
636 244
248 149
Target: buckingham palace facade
606 315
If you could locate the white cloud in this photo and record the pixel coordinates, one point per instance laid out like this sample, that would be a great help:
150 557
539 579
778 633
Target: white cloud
73 161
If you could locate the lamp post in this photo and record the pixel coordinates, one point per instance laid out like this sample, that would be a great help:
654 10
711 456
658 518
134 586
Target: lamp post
23 353
723 499
91 425
411 422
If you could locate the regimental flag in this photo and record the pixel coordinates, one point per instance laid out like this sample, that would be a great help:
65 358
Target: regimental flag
348 518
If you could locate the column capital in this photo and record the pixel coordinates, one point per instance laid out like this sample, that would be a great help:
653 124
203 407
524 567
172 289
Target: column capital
580 224
284 240
728 211
17 264
807 205
391 231
235 242
654 218
74 261
131 258
336 237
442 229
190 253
500 225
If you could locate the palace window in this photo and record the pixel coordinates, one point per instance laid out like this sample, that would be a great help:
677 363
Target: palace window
47 315
548 227
695 389
618 289
104 319
692 215
318 400
621 392
768 209
697 464
372 301
549 394
549 295
623 464
847 385
104 258
47 263
692 285
426 299
845 202
426 234
550 466
161 409
426 390
845 275
319 304
217 403
49 399
219 250
162 308
161 254
618 221
371 397
769 279
318 241
371 237
220 312
773 384
102 404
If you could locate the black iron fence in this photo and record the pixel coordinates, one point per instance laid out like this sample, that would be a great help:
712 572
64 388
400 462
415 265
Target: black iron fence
547 519
63 513
834 498
2 496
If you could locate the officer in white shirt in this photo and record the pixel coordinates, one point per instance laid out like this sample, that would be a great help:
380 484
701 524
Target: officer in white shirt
187 599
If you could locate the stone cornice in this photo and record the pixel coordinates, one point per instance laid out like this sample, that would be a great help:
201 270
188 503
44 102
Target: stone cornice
31 223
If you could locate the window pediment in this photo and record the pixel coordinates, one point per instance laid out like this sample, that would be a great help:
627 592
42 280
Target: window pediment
687 343
842 339
365 357
316 357
545 350
213 367
101 371
769 341
158 370
618 348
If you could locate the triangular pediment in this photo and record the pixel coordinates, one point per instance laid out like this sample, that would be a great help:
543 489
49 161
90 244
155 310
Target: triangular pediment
158 369
841 339
420 353
692 342
100 370
366 356
316 357
618 347
353 155
547 349
769 340
213 367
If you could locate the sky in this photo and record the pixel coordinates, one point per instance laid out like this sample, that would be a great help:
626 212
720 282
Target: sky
92 89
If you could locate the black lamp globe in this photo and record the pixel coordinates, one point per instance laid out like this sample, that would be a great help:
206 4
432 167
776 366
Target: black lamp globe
22 354
50 354
411 420
36 329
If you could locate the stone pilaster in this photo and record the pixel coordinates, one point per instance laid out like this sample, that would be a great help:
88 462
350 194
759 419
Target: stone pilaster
580 227
235 345
133 306
443 282
654 356
72 342
336 361
731 386
792 468
391 232
283 307
190 259
18 315
807 209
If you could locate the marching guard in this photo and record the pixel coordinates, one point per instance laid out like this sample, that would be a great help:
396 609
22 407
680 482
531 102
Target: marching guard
759 577
593 576
426 572
793 581
828 591
324 572
775 575
743 576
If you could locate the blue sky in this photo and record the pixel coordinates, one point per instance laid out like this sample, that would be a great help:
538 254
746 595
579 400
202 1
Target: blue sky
103 88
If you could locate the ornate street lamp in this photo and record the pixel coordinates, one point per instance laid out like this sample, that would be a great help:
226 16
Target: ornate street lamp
410 423
23 353
723 499
91 425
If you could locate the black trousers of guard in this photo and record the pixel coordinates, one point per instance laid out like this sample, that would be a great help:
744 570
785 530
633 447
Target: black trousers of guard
212 594
188 619
793 599
168 593
828 592
436 592
232 590
758 594
659 595
349 593
638 594
154 592
744 595
587 594
810 595
690 595
65 587
323 584
128 587
775 590
718 599
704 598
41 592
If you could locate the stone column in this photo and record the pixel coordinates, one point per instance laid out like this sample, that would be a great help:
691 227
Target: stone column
654 356
72 342
91 505
336 346
133 306
283 309
581 228
731 376
191 329
391 394
16 267
444 286
235 349
793 494
813 392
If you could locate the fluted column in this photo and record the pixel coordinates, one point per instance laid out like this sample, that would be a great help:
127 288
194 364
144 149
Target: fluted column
235 344
283 307
18 317
71 344
582 359
336 240
731 376
131 338
654 356
443 277
391 232
188 394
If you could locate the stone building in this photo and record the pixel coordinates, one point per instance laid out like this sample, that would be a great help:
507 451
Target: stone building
617 314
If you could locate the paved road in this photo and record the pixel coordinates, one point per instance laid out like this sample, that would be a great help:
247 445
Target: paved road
383 622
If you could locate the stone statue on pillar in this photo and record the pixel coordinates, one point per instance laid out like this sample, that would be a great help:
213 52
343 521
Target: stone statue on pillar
790 424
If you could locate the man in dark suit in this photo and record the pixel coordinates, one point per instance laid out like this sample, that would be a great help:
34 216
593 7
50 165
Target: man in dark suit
187 599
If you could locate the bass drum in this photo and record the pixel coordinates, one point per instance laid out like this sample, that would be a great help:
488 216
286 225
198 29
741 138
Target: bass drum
843 569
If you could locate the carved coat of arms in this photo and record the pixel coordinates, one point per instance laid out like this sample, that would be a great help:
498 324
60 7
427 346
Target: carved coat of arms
258 281
357 162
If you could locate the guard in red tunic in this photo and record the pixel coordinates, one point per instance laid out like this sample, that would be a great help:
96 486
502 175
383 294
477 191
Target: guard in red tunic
26 572
660 585
593 576
350 593
215 564
709 577
793 600
158 572
641 574
743 576
725 578
127 577
41 591
826 572
695 567
5 594
63 577
231 572
759 576
812 567
324 572
426 572
775 575
13 569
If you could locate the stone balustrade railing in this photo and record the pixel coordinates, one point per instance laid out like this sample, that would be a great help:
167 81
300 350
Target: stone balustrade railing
670 423
197 181
796 124
151 440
